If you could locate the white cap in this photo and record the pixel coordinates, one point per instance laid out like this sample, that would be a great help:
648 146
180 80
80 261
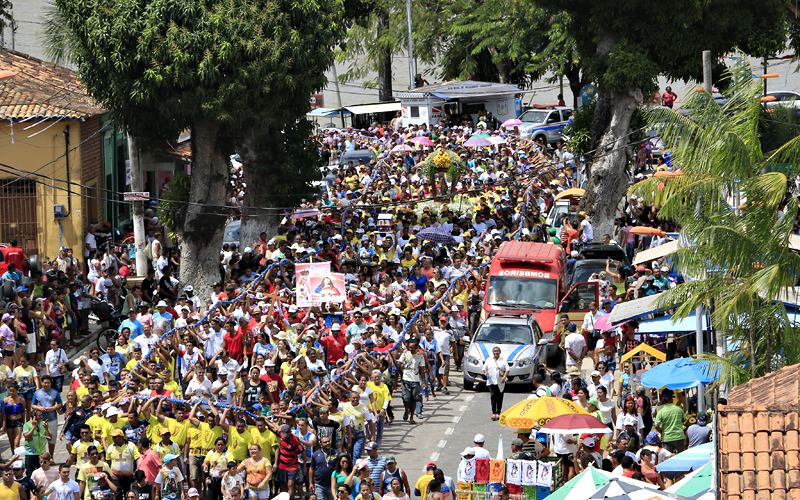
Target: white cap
113 411
248 250
161 303
664 269
630 420
479 438
454 309
588 441
468 451
336 327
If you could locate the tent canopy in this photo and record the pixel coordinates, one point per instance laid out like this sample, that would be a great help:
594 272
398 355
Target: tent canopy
656 253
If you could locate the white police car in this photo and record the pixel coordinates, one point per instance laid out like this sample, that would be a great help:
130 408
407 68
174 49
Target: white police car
547 123
521 343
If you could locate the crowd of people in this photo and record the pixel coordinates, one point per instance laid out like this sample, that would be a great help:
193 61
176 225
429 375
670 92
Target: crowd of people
242 393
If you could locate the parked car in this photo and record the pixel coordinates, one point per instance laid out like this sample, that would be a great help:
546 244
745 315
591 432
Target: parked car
360 154
547 123
521 343
232 233
784 98
584 269
604 251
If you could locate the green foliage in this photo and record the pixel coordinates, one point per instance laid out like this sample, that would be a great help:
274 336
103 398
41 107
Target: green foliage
740 261
777 126
161 66
173 211
291 163
579 131
627 66
58 40
5 14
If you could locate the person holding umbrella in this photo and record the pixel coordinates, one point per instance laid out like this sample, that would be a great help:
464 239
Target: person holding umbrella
496 371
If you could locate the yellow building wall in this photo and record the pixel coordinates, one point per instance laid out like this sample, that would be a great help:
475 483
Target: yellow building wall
42 149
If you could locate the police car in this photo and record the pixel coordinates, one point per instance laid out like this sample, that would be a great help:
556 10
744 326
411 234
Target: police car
521 343
547 123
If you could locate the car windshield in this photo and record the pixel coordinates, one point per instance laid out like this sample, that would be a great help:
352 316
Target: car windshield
534 116
231 234
511 291
584 272
495 333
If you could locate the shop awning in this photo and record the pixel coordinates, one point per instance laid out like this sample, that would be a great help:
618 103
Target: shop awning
634 309
656 253
665 324
381 107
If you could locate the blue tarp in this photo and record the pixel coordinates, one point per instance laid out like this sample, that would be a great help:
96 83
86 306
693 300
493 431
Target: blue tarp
665 325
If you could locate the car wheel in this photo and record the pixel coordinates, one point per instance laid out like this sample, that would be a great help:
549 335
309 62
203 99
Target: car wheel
554 357
8 290
469 386
33 264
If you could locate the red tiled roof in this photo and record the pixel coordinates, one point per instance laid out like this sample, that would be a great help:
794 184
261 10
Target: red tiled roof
42 89
778 388
759 438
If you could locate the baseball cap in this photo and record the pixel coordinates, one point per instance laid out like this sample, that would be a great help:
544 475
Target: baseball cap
593 401
629 420
170 457
117 432
702 420
595 373
430 465
517 442
653 438
193 492
479 438
371 445
467 451
588 441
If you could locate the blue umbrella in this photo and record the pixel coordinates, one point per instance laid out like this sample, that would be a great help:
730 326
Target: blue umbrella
680 373
436 235
686 461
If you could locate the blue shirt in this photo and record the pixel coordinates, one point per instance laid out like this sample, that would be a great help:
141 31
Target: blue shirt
113 364
8 275
47 399
135 327
162 321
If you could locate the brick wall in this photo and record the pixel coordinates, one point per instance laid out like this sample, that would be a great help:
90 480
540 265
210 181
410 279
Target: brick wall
92 162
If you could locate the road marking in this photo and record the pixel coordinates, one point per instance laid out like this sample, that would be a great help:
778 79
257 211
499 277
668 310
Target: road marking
442 443
456 419
449 430
434 457
469 398
463 408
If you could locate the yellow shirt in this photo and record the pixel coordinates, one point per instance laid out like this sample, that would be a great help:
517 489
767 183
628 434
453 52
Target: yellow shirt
11 493
268 441
238 444
175 388
122 458
357 414
79 450
96 423
165 449
381 393
408 263
154 429
83 391
109 426
179 430
131 364
86 474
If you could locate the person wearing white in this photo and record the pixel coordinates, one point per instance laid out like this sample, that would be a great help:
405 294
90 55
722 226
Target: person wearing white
224 388
480 451
575 346
586 230
63 488
147 340
199 387
496 371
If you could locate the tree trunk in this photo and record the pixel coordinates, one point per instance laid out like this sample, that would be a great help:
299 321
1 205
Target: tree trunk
384 61
502 70
607 180
255 221
768 358
576 83
202 231
752 351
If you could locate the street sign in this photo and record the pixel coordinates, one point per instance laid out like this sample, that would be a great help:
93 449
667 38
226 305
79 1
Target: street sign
136 196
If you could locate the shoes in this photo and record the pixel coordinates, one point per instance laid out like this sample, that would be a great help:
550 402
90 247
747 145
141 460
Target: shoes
439 387
445 391
405 415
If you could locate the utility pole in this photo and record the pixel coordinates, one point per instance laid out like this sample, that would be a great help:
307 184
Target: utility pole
412 67
707 71
765 72
338 93
138 207
699 311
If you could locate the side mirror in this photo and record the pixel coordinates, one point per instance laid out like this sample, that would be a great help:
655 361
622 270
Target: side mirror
543 342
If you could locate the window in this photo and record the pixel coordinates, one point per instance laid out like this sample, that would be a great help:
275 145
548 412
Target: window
554 117
565 114
579 298
414 111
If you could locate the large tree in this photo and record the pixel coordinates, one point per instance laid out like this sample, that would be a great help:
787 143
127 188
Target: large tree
226 69
737 256
626 45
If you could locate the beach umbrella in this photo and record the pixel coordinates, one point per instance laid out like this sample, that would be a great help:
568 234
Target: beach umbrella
603 325
513 122
401 147
530 412
686 461
436 235
647 230
696 483
302 213
575 424
474 142
583 485
620 489
680 373
422 141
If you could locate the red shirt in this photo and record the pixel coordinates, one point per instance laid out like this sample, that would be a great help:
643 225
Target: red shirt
334 347
150 464
234 346
274 386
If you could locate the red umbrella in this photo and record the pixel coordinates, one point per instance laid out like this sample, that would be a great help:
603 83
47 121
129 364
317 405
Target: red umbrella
579 423
603 325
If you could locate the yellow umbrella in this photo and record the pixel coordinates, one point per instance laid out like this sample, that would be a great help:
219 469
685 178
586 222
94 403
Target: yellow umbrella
530 412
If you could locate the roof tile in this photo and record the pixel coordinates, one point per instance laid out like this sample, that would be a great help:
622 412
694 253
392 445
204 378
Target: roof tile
749 495
748 462
746 423
778 460
764 483
763 461
776 422
793 480
750 482
734 484
762 421
779 495
748 443
794 494
764 494
762 442
779 479
42 90
791 441
793 460
792 422
733 443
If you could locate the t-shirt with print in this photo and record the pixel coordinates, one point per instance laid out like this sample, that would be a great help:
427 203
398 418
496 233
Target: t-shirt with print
26 378
168 480
35 445
86 474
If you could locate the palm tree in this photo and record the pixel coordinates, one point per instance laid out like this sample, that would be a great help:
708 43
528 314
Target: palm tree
738 256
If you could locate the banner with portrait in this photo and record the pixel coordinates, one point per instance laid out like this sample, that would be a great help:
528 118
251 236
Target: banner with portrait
303 273
316 284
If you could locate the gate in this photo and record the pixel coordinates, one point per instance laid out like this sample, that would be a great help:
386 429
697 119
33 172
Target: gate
18 214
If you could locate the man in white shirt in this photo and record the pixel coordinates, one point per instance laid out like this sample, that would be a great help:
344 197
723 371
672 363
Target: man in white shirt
575 346
91 243
146 340
224 389
480 451
589 320
199 387
586 230
63 488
